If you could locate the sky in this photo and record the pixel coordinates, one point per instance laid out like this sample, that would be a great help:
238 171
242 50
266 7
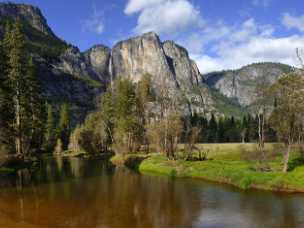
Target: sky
219 34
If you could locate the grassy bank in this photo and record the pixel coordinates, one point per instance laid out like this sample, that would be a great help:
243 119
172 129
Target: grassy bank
229 164
129 160
4 170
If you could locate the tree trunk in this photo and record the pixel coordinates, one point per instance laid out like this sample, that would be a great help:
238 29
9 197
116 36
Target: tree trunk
286 158
166 136
18 139
262 131
261 135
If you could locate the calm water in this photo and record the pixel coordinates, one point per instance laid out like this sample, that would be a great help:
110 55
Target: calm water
91 193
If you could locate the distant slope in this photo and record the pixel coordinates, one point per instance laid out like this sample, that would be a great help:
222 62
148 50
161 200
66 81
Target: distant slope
40 37
64 72
240 84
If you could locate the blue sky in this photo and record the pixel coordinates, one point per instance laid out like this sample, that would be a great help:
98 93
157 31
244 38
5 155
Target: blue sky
219 34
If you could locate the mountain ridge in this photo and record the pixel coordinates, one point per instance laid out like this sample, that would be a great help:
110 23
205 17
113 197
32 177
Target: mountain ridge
240 84
84 75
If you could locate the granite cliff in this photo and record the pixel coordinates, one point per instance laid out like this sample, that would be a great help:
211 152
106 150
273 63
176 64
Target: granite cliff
167 63
240 84
78 78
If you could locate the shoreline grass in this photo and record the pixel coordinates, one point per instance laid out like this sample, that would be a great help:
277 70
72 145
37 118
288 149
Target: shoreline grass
226 166
5 170
236 173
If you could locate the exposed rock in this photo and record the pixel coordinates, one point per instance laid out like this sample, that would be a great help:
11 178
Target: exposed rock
73 62
68 75
187 76
98 57
184 69
240 84
60 87
64 72
141 55
167 63
27 13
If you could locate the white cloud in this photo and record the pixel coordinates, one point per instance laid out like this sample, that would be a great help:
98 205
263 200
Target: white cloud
263 3
236 46
293 22
195 43
94 23
208 64
135 6
216 45
164 16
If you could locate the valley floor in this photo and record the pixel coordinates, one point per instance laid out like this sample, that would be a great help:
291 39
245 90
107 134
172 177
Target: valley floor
233 164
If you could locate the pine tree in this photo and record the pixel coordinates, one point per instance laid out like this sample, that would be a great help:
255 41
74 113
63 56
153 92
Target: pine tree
234 130
25 104
212 130
50 130
36 107
204 130
221 131
64 126
6 104
244 129
127 121
17 69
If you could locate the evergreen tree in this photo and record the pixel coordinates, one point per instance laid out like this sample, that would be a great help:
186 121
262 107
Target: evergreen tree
204 130
17 69
212 130
128 127
234 130
50 130
64 126
221 131
6 104
36 107
22 100
244 130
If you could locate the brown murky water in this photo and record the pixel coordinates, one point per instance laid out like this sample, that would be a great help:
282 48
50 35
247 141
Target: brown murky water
82 193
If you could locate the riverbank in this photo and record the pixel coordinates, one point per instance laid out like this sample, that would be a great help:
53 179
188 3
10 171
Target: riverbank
4 170
11 163
227 168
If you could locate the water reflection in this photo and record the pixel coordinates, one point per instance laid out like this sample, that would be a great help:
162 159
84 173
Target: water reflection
81 193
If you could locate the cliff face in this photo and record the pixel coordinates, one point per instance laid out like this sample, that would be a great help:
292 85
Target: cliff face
142 55
92 64
98 57
26 13
167 63
241 84
146 54
78 78
185 70
59 87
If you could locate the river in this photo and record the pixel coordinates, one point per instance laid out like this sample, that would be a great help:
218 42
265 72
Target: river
75 192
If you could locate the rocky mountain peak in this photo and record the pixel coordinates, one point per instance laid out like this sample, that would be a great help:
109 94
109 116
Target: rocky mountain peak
170 44
138 56
240 84
150 35
69 75
26 13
